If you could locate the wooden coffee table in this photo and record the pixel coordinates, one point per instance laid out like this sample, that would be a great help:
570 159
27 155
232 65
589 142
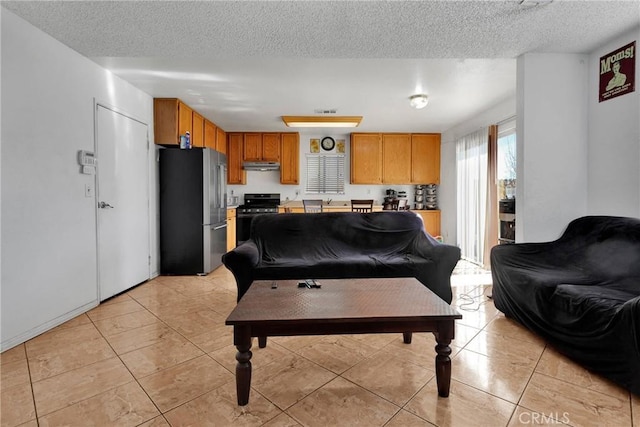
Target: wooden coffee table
342 306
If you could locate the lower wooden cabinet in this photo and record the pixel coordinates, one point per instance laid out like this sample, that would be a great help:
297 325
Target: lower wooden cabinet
431 220
231 229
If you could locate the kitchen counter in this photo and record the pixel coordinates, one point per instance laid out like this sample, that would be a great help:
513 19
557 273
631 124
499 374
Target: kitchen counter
431 218
335 206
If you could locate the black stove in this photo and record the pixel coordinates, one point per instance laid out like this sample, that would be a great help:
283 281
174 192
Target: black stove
254 204
258 203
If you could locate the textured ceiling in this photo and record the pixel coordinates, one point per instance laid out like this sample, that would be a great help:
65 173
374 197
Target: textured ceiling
244 63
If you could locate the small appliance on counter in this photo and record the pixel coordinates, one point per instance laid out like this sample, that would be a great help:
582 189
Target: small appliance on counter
393 199
389 200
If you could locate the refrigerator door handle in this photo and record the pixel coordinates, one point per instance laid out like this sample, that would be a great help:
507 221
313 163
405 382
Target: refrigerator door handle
220 226
222 176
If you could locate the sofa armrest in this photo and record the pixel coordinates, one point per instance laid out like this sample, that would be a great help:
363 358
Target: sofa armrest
437 276
241 261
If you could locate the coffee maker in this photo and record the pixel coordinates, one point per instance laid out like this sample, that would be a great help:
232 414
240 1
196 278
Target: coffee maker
390 200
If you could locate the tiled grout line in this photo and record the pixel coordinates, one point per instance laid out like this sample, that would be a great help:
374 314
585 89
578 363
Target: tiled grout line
125 365
210 357
185 361
33 396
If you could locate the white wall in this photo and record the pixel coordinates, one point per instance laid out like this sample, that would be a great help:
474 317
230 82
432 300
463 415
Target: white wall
48 225
269 182
491 116
551 144
614 142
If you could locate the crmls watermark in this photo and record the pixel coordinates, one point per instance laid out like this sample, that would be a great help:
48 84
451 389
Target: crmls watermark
536 418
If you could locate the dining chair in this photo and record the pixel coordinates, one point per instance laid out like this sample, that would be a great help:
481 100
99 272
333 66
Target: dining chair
312 205
362 206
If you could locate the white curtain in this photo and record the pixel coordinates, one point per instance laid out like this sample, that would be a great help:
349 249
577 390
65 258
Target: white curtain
471 174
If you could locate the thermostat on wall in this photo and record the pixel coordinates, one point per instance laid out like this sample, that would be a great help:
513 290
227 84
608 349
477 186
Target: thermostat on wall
87 161
86 158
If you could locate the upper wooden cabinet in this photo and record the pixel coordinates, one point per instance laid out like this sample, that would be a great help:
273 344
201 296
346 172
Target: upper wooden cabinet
396 158
197 133
235 173
271 147
221 140
289 158
366 158
210 135
261 147
425 158
171 118
252 150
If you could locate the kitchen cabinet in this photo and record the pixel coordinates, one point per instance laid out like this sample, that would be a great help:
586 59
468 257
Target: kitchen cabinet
289 158
235 173
396 158
171 118
366 158
431 220
197 132
221 140
271 147
261 147
231 229
210 135
252 147
425 158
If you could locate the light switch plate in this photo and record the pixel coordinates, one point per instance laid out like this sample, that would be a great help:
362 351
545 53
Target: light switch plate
88 190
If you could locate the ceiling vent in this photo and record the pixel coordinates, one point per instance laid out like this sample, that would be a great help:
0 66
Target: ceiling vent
325 111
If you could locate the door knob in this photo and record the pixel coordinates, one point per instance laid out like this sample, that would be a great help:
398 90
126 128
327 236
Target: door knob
104 205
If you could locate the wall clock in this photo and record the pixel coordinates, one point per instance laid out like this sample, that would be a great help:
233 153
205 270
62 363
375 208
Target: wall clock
328 143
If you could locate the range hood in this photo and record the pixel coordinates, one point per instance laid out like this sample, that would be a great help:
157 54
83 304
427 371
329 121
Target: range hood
261 166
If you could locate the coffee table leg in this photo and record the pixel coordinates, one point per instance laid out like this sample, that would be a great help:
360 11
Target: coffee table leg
406 337
242 341
444 335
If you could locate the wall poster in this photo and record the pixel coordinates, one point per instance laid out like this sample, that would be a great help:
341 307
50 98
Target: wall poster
618 72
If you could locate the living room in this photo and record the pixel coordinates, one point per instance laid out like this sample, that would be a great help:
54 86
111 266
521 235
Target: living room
579 156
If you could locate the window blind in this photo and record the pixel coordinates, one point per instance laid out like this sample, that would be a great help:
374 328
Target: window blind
325 173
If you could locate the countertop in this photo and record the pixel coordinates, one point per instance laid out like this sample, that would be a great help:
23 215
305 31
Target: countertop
325 205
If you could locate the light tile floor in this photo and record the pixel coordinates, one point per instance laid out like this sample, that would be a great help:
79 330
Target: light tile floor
160 355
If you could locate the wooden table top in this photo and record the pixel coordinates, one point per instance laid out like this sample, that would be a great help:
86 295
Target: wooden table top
340 300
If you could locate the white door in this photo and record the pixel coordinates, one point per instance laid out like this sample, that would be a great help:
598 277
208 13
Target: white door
123 202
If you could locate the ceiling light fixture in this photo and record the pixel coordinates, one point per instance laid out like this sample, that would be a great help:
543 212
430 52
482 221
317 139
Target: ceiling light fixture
322 121
418 101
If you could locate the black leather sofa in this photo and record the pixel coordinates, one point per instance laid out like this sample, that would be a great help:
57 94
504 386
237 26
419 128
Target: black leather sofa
580 292
342 245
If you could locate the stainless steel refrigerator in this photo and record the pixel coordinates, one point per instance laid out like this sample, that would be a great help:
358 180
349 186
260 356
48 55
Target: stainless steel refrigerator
193 202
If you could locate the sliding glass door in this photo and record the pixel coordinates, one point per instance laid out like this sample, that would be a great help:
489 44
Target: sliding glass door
471 174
